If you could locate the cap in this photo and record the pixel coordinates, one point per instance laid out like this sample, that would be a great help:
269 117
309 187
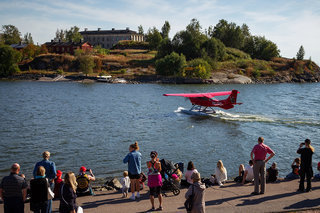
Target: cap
59 173
83 169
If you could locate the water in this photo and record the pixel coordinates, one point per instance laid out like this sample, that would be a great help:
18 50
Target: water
94 124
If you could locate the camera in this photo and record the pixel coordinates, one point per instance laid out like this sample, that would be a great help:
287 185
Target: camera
87 170
303 143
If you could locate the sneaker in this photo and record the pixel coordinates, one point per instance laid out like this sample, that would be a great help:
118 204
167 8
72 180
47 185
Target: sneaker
160 208
254 193
132 197
138 195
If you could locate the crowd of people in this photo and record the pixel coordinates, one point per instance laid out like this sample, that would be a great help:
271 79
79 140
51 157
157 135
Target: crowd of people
47 182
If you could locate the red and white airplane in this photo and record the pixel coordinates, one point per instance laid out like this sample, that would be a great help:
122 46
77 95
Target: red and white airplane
202 101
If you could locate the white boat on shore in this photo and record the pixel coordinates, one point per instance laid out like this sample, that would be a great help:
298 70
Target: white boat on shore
104 78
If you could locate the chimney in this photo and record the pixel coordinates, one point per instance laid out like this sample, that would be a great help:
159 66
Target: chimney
112 29
51 40
99 29
127 28
85 29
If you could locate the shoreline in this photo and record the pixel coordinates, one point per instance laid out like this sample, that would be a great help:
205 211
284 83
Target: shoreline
217 78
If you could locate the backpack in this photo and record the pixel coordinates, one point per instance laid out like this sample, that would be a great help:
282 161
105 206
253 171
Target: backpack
83 183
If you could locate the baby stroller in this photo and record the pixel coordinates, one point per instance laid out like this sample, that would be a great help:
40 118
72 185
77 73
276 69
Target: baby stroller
167 170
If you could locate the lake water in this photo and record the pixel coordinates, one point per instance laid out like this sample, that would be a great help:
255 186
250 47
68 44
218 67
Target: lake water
94 124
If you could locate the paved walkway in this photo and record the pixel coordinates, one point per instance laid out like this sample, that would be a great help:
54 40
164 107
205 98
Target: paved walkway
231 197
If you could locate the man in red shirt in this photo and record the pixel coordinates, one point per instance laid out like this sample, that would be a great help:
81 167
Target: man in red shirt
258 156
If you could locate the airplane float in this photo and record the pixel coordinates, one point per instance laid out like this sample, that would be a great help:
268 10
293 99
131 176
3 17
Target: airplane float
202 101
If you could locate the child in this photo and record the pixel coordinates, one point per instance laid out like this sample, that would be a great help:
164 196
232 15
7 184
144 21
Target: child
125 182
295 170
57 185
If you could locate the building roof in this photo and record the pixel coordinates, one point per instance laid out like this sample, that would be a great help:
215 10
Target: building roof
105 32
19 46
68 43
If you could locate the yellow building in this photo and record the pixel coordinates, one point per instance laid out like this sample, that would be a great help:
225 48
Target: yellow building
108 38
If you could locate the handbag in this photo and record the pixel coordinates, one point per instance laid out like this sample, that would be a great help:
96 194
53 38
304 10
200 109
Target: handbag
79 209
189 202
50 192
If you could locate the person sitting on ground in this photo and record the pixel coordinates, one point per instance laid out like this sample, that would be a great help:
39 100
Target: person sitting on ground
198 191
317 176
125 182
248 173
190 170
220 174
295 170
154 179
272 173
39 191
83 181
57 185
239 178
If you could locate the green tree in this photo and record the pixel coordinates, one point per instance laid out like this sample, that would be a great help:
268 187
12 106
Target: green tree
27 38
165 30
230 34
100 51
11 34
165 48
189 42
171 65
154 38
140 30
215 49
8 60
73 34
261 48
86 64
300 53
198 68
60 35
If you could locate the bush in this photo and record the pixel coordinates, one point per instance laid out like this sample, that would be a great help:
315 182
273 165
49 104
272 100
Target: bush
256 74
86 64
171 65
8 60
198 68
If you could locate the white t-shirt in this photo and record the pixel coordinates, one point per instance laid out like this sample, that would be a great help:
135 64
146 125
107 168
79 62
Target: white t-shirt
250 175
125 182
188 175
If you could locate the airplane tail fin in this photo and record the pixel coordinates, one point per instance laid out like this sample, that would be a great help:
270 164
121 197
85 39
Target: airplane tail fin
233 97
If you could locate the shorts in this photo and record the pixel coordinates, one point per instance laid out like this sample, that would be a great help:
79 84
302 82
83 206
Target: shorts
131 176
155 190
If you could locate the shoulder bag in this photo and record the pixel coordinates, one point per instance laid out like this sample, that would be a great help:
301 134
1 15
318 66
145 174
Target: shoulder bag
189 202
50 193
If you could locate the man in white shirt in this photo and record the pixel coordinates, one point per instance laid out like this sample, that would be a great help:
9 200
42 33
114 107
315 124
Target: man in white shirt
248 173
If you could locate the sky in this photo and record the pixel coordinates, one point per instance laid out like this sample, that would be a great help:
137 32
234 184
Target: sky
288 23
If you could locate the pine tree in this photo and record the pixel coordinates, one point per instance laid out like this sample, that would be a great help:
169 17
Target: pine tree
300 53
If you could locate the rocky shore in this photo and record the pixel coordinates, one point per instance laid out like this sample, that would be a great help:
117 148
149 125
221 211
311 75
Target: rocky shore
226 77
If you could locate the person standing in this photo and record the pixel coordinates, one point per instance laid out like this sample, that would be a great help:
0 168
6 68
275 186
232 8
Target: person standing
198 191
51 172
154 179
133 158
39 192
13 190
306 164
68 194
258 156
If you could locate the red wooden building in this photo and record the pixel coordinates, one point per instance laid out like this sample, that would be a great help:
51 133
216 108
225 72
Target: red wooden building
67 47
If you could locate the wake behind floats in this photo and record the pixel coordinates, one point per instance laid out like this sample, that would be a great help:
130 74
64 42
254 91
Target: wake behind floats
202 103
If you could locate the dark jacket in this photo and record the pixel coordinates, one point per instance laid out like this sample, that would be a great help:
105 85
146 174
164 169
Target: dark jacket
39 193
67 199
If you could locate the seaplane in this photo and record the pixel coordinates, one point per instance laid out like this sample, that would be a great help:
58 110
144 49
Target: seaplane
203 103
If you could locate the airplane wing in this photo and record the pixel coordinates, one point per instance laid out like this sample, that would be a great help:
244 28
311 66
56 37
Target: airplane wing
197 95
